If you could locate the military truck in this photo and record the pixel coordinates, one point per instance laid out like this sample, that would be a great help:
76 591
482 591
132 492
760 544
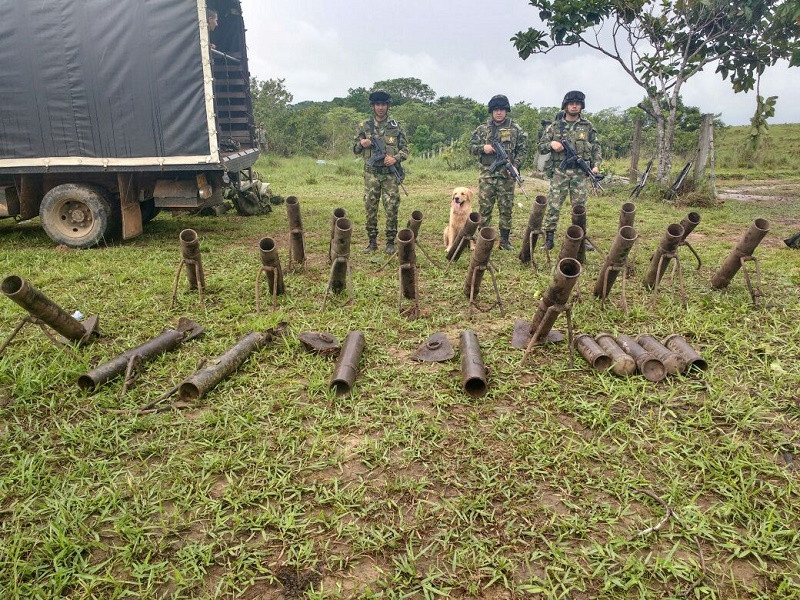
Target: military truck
111 110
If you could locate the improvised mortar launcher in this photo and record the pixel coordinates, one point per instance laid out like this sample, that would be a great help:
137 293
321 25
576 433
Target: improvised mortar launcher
667 250
464 237
615 263
579 219
478 264
414 224
344 373
297 240
532 233
650 366
473 371
689 222
46 313
341 272
739 256
271 267
407 273
338 213
622 364
193 261
627 215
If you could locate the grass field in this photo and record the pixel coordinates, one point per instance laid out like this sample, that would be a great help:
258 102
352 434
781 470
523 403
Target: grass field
271 486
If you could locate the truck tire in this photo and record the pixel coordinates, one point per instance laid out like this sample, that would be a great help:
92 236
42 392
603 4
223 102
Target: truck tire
79 215
149 210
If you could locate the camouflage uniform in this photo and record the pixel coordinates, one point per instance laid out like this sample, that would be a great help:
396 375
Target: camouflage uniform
380 182
498 185
571 180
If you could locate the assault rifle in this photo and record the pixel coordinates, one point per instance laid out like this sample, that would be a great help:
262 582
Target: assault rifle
642 181
377 158
503 160
673 191
572 158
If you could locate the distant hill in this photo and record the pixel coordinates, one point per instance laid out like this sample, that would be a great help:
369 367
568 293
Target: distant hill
779 152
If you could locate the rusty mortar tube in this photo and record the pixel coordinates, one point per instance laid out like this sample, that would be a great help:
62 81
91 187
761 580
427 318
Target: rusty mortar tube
691 358
296 245
570 247
41 307
167 341
480 259
473 371
415 222
579 219
340 251
531 235
469 229
202 381
565 277
338 213
669 243
593 353
623 364
617 258
190 251
750 240
689 222
407 257
648 365
344 373
627 215
270 258
673 362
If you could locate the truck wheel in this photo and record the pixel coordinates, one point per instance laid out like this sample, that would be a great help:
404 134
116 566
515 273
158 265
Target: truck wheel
149 210
79 215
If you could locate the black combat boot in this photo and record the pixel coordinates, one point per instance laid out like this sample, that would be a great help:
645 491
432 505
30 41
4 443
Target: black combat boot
549 240
588 245
389 247
373 244
504 243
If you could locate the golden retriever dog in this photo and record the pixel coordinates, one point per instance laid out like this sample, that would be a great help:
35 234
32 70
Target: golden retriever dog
460 207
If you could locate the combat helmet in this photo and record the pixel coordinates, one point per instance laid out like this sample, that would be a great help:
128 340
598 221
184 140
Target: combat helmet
574 96
380 96
499 101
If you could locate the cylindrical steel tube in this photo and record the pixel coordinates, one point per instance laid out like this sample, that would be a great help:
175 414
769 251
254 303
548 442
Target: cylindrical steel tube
296 243
689 222
473 371
648 365
533 229
415 222
407 258
344 373
668 245
571 246
579 219
623 364
751 239
480 259
469 229
205 379
338 213
673 362
40 306
691 358
593 353
190 251
627 214
565 277
270 258
617 257
340 251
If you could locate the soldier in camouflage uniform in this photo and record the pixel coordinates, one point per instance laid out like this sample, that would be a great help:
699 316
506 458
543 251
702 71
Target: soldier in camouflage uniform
379 181
498 185
570 179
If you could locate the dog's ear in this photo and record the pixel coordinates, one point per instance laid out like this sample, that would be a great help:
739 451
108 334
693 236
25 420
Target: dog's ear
469 194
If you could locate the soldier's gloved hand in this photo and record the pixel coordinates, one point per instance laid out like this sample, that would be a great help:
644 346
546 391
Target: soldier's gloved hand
366 143
557 146
488 149
389 161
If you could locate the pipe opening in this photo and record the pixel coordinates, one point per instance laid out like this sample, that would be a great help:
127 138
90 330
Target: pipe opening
653 370
291 200
339 213
489 234
697 364
266 244
693 218
627 233
86 383
475 217
575 232
475 387
188 391
762 224
340 386
602 363
541 200
344 224
628 207
579 210
416 215
675 230
188 236
405 235
12 284
569 267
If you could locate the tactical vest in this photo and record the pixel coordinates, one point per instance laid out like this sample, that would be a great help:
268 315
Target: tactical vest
579 135
390 136
506 134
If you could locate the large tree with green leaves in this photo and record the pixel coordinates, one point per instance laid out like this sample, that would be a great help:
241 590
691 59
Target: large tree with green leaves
661 44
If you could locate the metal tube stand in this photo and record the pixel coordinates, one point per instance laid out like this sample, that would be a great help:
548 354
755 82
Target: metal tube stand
756 294
678 268
349 268
190 263
473 302
412 312
557 308
267 270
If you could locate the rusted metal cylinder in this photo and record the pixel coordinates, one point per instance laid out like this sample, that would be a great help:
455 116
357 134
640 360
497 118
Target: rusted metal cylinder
691 358
669 243
202 381
623 364
565 277
473 371
415 222
648 365
296 243
579 219
344 373
190 251
168 340
751 239
480 258
469 229
627 215
593 353
40 306
270 258
534 226
673 362
407 257
340 250
617 258
689 222
571 246
338 213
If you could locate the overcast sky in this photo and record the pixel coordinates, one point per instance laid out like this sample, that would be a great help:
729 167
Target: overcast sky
322 48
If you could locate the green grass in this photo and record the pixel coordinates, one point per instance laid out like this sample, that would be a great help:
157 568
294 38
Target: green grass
272 485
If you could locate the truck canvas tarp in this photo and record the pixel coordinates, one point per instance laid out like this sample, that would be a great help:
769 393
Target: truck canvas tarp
137 103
